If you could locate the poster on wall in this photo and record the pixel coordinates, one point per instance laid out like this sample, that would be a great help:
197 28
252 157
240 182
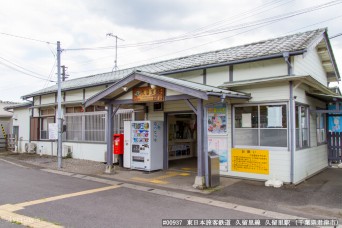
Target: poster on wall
250 161
53 131
275 116
334 122
220 147
247 120
217 119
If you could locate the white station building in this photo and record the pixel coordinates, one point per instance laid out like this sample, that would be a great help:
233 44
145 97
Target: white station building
261 107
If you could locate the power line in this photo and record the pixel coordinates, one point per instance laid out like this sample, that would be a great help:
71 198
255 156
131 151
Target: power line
219 30
52 71
26 38
337 35
231 19
262 25
16 66
307 26
21 67
23 72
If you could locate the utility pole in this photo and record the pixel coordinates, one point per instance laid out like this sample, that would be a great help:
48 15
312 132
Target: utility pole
59 106
116 50
64 75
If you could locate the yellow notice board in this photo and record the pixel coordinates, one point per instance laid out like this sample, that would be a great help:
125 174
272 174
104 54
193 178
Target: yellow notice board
250 161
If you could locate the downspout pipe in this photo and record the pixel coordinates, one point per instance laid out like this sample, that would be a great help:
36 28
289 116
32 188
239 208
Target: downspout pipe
292 131
286 56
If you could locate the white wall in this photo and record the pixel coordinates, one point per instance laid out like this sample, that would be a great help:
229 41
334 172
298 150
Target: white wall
310 64
74 95
23 121
217 76
48 99
193 76
36 100
259 69
93 90
169 106
87 151
301 97
266 92
170 92
311 160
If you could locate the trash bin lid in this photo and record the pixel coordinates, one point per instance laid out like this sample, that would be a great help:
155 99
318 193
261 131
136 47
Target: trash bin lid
212 154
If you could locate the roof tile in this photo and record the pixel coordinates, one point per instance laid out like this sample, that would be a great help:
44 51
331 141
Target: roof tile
278 45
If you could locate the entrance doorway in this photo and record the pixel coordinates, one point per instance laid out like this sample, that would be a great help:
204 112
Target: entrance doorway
181 141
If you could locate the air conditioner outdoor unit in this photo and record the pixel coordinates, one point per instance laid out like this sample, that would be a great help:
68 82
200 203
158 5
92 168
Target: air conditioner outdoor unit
31 147
67 151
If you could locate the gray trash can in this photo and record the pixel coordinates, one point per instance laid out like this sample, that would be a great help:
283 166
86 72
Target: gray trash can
214 169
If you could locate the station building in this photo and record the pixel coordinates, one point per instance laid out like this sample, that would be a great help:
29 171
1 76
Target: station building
261 107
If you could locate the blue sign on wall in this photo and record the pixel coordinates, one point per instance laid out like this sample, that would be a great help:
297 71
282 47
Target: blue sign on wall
334 122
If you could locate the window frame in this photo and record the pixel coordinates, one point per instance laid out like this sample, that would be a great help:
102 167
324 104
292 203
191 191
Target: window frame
41 119
300 144
259 129
84 131
321 116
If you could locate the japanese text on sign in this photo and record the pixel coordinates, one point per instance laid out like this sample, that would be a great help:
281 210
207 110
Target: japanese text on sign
249 222
142 94
250 160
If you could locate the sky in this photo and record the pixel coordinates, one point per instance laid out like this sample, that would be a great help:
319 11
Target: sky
149 31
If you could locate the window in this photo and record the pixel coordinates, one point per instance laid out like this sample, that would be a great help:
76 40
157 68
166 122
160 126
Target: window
320 127
302 126
95 126
47 112
88 127
47 117
95 108
91 126
76 109
34 128
261 125
44 126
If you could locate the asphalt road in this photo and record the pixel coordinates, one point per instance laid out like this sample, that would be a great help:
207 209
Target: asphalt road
120 207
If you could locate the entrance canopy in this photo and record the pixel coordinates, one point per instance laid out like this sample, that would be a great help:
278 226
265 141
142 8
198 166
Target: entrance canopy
128 91
185 89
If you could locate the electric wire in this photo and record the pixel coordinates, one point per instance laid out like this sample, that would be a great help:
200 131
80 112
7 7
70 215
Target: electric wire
232 19
337 35
218 31
215 41
52 72
21 69
26 38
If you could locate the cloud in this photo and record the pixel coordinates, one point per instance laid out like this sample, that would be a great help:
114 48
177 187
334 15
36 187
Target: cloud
85 23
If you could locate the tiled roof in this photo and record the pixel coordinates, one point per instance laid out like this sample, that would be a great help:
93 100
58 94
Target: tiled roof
164 81
18 105
290 43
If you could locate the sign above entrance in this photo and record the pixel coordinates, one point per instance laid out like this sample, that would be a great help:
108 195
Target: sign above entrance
145 94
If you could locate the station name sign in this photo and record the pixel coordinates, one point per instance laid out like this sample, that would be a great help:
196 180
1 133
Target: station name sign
146 94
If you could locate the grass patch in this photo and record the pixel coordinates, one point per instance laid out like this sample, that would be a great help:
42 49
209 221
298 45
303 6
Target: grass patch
16 222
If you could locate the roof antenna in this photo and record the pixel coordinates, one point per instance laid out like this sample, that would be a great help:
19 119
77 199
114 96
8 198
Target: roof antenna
116 50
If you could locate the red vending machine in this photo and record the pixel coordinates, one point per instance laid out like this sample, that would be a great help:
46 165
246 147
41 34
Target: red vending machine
118 147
